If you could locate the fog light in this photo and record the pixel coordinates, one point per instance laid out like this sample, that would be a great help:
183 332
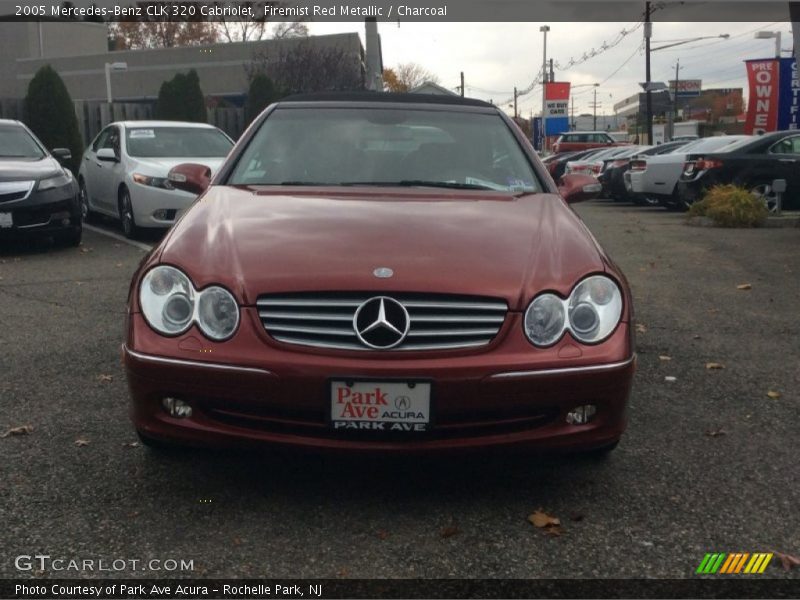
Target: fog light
581 415
176 408
160 214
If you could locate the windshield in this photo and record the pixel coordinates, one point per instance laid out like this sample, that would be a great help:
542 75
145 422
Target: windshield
177 142
385 146
16 142
713 144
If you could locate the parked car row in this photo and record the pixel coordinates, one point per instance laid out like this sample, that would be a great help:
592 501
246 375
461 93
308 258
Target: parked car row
123 174
38 195
677 174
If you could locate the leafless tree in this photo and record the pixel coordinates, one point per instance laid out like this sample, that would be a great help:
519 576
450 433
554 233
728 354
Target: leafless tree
237 29
289 29
306 67
410 75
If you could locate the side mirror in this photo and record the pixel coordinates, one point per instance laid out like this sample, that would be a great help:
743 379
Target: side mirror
190 177
107 154
61 154
578 188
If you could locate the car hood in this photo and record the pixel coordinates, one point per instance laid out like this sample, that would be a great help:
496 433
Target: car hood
160 167
25 170
495 245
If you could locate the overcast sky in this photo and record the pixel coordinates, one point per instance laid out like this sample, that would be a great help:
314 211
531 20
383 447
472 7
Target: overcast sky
495 57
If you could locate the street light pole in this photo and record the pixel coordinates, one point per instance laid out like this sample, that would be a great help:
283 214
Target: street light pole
648 33
675 101
544 29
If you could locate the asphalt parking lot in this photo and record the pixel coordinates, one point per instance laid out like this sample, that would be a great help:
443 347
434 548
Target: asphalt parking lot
709 463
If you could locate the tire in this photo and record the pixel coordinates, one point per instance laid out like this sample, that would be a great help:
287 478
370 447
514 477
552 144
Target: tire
71 238
763 192
128 221
87 215
601 453
156 445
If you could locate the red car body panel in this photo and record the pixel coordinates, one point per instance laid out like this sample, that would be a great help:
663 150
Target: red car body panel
252 389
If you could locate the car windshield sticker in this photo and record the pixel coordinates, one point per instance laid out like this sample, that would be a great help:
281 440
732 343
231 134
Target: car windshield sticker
485 183
142 133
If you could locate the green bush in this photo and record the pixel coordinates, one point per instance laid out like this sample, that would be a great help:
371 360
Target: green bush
261 94
730 206
181 99
50 114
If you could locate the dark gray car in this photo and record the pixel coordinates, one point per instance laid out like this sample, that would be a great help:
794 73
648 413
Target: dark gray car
38 196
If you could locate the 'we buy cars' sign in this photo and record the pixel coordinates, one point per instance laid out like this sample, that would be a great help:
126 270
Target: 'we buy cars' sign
774 93
556 99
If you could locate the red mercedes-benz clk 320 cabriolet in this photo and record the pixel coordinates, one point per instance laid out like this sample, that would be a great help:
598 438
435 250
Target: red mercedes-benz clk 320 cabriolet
379 272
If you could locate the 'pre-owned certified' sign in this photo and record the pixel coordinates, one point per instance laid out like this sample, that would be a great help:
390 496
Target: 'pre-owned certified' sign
376 406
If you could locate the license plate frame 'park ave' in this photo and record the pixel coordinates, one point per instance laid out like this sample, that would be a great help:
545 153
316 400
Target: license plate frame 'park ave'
391 406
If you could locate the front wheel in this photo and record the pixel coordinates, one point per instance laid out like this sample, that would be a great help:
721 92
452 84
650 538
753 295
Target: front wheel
71 238
765 193
87 215
126 217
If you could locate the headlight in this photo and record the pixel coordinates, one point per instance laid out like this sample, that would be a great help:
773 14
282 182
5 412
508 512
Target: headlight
595 307
167 300
545 320
160 182
217 313
60 180
171 305
591 313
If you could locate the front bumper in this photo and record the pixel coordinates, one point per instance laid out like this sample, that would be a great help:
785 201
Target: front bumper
42 213
252 390
146 200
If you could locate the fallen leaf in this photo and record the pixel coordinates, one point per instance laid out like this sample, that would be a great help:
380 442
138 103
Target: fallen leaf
787 560
540 519
342 572
449 531
774 395
670 378
81 442
237 541
664 357
131 445
383 534
641 328
716 432
744 286
105 378
712 366
21 430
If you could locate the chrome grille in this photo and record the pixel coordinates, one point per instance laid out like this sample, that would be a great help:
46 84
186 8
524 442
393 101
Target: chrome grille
15 190
437 321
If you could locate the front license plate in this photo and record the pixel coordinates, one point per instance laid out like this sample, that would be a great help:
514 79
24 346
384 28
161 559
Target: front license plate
6 220
380 406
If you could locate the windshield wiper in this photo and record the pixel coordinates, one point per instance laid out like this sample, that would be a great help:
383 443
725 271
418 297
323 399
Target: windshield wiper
422 183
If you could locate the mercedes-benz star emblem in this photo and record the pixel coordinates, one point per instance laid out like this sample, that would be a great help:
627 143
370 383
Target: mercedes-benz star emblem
381 323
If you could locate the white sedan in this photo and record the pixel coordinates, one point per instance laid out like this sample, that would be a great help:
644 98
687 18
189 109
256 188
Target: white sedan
657 176
124 171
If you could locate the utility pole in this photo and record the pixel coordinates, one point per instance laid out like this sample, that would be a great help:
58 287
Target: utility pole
594 106
573 113
515 103
462 84
544 29
648 33
552 72
675 102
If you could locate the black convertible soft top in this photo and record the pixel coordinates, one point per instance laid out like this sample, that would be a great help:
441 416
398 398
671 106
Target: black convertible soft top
385 97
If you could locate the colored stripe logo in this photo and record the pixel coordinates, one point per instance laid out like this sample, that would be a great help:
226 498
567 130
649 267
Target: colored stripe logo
734 563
